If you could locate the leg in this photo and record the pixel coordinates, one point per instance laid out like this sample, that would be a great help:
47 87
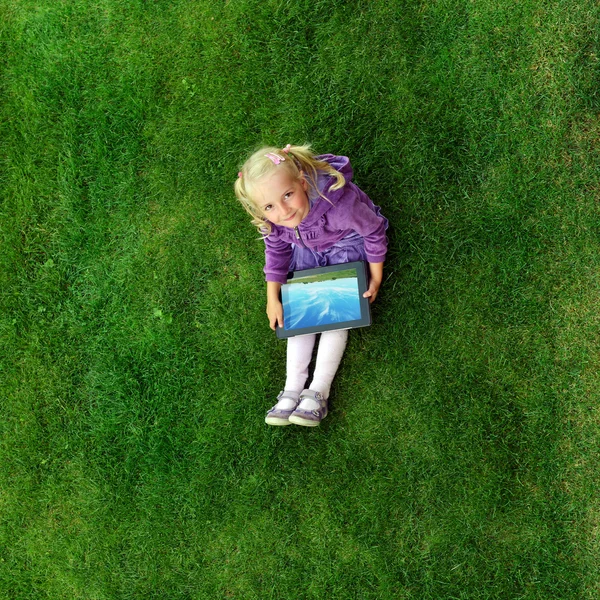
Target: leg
313 401
299 353
331 349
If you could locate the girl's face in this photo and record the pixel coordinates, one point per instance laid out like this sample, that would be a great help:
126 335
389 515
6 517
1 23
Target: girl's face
282 199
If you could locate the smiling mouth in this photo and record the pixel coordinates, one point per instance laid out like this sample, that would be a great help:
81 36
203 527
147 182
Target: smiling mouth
292 217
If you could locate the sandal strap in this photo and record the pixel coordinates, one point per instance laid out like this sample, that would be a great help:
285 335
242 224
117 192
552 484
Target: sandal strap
313 395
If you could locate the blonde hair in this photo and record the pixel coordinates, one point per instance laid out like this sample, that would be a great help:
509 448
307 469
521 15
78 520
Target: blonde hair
299 160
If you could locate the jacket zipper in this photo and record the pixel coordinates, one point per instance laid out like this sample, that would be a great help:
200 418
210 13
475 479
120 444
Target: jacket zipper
299 237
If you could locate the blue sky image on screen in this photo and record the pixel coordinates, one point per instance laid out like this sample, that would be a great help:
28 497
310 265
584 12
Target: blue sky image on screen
320 303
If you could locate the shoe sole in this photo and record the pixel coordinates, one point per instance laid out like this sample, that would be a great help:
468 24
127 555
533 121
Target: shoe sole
277 422
304 423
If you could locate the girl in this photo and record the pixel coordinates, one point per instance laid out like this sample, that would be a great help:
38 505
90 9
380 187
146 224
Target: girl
310 215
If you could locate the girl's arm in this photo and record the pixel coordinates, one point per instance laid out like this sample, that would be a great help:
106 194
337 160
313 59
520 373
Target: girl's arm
376 270
274 306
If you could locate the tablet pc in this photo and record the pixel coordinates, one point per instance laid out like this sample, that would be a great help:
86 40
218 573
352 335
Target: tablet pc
325 298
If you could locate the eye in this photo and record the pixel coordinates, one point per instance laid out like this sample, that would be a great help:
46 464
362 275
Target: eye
268 207
287 195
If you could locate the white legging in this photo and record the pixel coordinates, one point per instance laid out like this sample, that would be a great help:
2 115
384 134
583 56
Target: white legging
299 352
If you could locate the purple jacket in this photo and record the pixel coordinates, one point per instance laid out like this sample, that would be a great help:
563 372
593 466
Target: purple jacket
351 210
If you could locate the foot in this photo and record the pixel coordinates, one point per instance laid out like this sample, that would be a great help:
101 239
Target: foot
280 413
312 409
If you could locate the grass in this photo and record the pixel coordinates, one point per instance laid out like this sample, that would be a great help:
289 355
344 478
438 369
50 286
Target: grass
460 456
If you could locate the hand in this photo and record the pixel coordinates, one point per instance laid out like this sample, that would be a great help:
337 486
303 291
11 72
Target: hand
373 290
376 270
275 313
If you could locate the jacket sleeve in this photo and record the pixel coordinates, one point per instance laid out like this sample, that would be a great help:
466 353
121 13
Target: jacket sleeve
356 211
278 255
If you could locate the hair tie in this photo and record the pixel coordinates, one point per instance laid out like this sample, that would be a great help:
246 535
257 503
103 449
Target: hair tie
275 158
240 174
287 148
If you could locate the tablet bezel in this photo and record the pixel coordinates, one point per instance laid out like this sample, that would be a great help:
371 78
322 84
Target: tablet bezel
365 309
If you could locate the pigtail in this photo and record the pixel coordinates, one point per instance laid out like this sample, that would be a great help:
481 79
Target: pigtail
307 162
243 195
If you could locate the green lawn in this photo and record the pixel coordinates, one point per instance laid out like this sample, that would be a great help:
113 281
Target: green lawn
460 458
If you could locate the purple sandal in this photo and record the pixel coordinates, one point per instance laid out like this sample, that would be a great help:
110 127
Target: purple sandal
281 416
309 418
